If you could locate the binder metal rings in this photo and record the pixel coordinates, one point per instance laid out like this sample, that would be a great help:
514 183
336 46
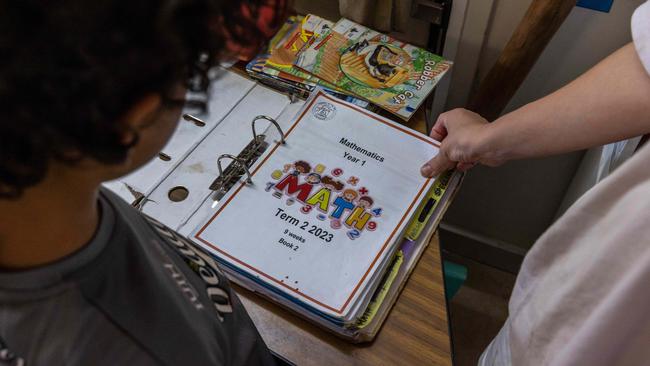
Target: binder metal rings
239 161
274 122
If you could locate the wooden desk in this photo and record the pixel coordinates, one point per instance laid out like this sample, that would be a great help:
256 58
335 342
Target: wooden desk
416 331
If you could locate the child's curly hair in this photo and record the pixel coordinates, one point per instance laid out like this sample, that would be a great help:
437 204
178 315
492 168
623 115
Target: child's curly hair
306 168
337 185
71 68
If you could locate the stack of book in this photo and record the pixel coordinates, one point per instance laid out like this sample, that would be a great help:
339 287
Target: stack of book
351 60
332 218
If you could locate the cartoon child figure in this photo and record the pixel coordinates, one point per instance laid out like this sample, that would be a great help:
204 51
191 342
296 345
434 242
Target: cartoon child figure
350 195
365 202
331 183
313 178
301 167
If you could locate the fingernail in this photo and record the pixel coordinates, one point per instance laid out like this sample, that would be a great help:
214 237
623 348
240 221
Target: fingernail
426 170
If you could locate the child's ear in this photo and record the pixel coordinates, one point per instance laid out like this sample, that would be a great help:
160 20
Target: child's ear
139 116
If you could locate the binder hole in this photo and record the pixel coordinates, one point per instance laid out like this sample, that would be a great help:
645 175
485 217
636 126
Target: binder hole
178 194
164 157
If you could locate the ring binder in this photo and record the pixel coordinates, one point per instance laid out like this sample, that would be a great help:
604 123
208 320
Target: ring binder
309 195
228 177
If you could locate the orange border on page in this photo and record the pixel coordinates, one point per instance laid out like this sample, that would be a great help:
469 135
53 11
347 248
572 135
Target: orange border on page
356 288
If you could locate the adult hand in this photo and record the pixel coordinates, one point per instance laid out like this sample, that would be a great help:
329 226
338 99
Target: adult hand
464 143
610 102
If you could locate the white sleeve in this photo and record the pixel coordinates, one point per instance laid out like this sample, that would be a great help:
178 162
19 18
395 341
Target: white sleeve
641 33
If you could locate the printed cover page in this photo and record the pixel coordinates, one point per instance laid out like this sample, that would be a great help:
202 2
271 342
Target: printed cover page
326 208
395 75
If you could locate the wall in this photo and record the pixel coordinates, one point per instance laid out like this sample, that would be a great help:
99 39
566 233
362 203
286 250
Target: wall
511 206
328 9
402 25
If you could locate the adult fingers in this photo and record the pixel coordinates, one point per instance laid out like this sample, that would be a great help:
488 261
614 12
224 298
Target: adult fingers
439 130
437 165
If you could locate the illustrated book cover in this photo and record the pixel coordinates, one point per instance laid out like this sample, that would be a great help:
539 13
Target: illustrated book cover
394 75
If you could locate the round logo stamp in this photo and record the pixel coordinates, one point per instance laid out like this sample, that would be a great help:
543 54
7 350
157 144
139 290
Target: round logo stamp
324 111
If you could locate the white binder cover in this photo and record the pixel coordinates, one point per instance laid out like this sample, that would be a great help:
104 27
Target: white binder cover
325 209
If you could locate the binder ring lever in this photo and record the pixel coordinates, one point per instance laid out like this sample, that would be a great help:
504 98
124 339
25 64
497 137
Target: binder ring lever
238 161
275 123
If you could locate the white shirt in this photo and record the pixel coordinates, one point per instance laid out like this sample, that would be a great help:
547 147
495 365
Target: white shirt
582 296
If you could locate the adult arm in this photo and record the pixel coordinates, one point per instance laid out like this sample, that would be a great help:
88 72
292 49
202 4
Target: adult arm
608 103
